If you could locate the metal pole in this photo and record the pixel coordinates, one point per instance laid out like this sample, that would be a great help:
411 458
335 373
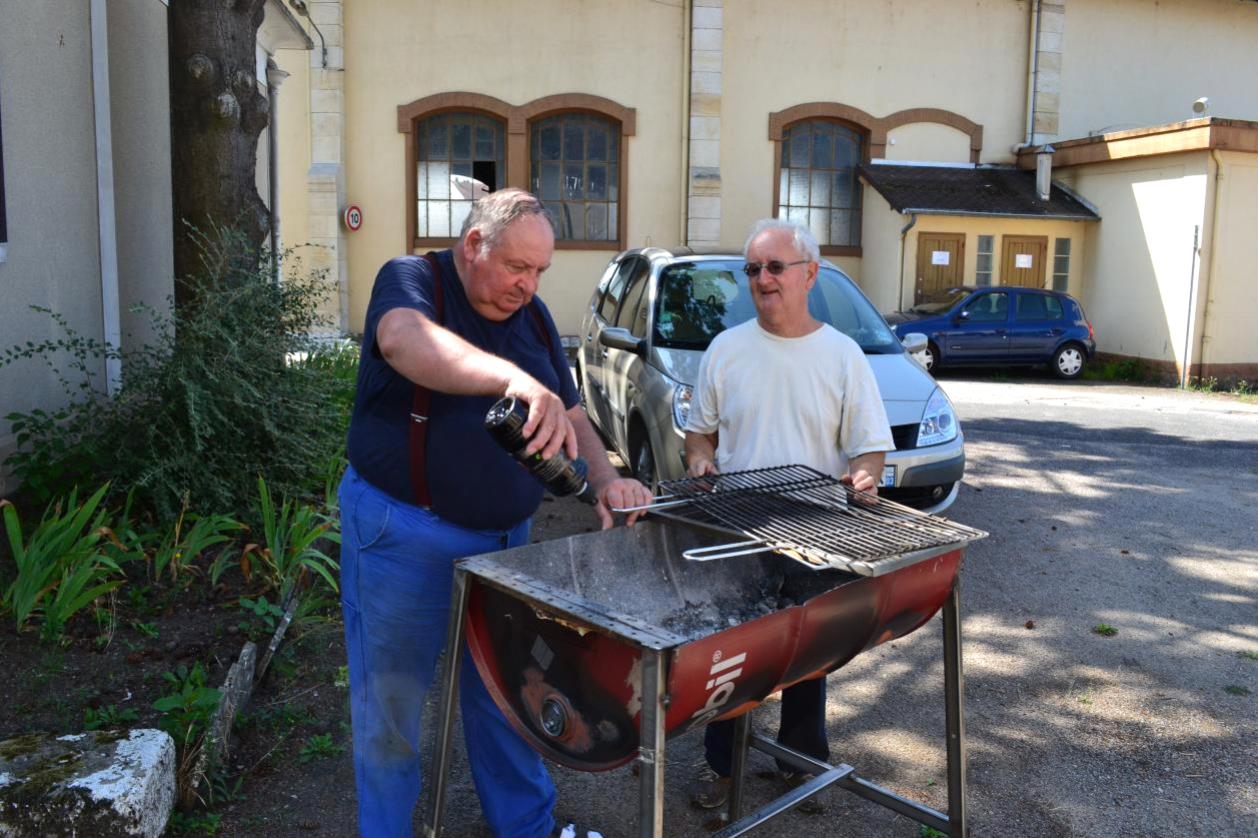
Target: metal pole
449 681
651 746
954 708
742 736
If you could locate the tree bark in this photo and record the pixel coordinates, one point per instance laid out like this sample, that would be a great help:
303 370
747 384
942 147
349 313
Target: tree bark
216 115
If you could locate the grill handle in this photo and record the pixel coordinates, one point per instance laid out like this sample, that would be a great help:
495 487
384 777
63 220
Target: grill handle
726 551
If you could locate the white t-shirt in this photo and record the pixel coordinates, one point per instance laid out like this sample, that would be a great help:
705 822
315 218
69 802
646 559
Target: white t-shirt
776 401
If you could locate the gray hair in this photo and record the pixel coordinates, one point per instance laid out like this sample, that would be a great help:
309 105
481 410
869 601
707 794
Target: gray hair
803 239
495 212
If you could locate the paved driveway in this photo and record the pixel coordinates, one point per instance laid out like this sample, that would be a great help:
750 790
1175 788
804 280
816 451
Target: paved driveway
1132 507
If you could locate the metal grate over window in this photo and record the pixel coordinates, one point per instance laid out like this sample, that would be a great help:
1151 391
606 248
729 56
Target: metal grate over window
575 170
817 185
461 156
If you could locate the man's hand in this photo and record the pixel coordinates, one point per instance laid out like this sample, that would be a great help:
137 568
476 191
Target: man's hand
863 472
700 454
621 493
861 481
548 427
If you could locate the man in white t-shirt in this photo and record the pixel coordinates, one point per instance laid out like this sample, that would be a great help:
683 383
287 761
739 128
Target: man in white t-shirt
782 389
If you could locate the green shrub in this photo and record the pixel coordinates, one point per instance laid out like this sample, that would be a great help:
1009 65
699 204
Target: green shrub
289 552
64 566
232 387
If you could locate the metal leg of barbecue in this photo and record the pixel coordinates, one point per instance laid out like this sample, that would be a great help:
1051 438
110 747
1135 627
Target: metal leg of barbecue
826 775
651 746
742 732
954 708
449 681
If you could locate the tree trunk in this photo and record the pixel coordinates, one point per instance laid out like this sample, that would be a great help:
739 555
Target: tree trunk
216 115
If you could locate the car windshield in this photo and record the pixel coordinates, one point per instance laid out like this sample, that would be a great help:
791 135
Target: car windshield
698 300
940 300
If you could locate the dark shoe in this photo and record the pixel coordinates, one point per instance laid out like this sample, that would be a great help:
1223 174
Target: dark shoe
709 790
573 831
795 779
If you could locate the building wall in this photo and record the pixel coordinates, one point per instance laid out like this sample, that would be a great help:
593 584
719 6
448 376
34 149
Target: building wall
879 57
1130 63
139 81
881 273
397 51
1139 264
294 144
928 141
1231 291
50 191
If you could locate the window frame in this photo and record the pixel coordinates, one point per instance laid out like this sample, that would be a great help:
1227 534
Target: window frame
1058 254
432 242
863 134
518 119
616 243
979 253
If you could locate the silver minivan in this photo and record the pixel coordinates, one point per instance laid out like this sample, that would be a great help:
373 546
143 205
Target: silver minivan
654 313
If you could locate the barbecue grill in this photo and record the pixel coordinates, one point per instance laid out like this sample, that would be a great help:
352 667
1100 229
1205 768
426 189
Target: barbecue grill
600 647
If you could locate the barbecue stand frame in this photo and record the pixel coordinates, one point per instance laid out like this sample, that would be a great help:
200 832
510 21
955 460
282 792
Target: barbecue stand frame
651 756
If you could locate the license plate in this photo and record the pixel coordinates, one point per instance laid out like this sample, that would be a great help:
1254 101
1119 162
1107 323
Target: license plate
888 476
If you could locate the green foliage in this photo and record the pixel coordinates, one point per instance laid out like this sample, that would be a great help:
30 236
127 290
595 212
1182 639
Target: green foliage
177 550
232 387
108 716
193 823
1104 629
149 629
1248 655
264 617
1128 369
1236 689
187 706
289 552
320 746
63 567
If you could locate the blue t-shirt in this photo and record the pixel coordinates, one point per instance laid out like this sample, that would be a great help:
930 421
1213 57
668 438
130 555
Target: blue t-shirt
471 480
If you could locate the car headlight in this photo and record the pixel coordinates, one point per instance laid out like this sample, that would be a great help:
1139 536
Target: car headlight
682 393
939 421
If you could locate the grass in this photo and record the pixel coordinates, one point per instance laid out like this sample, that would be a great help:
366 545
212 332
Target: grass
1236 689
320 746
1104 629
1248 655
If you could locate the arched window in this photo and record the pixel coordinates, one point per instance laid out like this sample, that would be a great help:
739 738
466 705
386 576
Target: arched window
574 167
817 181
459 157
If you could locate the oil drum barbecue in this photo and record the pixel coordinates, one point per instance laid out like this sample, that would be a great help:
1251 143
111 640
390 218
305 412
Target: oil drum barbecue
600 647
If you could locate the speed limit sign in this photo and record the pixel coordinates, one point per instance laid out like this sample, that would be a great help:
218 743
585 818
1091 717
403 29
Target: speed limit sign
353 217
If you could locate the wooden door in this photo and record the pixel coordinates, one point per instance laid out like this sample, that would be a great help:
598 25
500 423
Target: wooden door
940 263
1023 261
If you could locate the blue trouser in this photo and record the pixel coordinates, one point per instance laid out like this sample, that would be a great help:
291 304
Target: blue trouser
396 577
803 727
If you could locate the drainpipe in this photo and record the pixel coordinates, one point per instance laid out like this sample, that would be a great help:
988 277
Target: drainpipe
1192 282
1044 172
1032 76
1204 292
687 15
903 233
274 78
111 317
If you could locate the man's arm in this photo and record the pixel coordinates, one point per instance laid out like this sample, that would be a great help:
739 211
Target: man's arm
437 358
701 453
864 472
612 489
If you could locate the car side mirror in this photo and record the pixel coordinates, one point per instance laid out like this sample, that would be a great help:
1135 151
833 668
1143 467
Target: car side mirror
914 342
963 314
617 338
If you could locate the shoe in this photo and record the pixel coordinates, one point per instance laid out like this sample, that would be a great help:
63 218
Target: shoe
573 831
709 790
795 779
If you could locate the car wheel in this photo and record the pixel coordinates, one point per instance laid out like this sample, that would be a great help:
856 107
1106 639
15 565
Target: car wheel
1068 361
644 463
930 356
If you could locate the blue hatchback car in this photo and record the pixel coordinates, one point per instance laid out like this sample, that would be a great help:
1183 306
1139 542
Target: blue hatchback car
999 326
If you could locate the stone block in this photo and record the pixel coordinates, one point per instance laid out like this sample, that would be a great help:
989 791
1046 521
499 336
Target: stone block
707 17
1053 20
1045 123
705 152
1048 81
325 14
327 101
705 104
102 783
333 36
705 127
325 149
705 82
1050 41
703 229
707 39
705 180
705 206
1049 62
705 60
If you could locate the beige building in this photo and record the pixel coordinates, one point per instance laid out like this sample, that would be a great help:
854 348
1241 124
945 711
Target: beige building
663 123
715 114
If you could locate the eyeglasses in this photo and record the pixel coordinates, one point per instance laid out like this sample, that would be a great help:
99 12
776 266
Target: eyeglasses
773 266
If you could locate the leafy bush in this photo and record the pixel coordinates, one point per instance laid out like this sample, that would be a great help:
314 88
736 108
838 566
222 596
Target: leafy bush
63 567
233 387
186 711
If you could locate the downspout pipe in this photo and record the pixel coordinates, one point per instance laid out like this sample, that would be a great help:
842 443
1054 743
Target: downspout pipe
904 233
274 78
111 314
687 18
1032 77
1204 290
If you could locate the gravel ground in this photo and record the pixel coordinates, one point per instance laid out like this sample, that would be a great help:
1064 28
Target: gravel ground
1124 506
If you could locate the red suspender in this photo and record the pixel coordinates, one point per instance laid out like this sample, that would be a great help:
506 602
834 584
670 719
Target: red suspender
421 400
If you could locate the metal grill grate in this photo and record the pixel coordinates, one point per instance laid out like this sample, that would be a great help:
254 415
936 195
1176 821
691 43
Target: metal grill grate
810 517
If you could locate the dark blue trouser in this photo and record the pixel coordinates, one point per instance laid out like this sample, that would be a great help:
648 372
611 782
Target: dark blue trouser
803 727
396 577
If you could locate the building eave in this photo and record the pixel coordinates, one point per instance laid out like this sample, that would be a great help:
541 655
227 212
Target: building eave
1203 134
